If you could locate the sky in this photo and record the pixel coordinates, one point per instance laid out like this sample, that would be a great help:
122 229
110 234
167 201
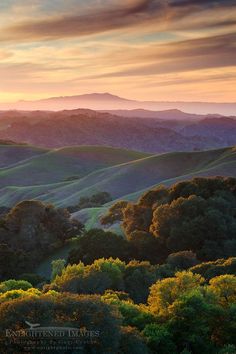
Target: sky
163 50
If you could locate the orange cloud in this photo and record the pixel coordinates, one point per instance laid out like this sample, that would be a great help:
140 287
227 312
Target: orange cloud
118 15
135 48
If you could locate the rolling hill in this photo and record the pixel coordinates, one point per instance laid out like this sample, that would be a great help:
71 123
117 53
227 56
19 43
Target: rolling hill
35 166
62 176
12 153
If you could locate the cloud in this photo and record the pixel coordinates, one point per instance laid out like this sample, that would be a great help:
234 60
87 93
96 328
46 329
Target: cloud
204 3
182 81
5 54
117 15
189 55
186 47
102 20
199 6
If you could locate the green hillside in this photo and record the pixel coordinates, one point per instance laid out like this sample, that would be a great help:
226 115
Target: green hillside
124 174
212 163
12 154
58 165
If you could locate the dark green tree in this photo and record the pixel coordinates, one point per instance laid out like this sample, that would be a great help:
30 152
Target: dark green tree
97 243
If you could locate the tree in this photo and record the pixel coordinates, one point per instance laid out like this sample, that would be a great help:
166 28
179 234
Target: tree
182 260
138 278
166 291
31 231
87 313
195 322
132 314
201 225
196 215
57 267
39 226
100 198
144 246
97 243
136 217
214 268
115 213
32 278
224 286
103 274
12 262
159 339
132 342
13 284
113 267
155 197
94 201
19 293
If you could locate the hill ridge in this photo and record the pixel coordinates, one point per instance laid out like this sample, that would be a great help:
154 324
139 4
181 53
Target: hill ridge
120 180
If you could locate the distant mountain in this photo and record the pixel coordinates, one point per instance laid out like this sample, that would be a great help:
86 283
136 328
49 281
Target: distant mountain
224 129
97 101
106 101
87 127
8 142
169 114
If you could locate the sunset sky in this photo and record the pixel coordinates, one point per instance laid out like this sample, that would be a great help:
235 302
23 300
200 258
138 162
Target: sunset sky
139 49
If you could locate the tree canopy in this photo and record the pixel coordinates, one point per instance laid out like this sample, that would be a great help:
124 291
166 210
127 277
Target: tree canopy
31 230
196 215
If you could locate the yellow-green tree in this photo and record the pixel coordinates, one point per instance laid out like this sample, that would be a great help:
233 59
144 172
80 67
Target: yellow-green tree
165 292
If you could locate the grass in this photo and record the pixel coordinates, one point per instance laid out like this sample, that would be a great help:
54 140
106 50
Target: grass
44 176
11 155
61 164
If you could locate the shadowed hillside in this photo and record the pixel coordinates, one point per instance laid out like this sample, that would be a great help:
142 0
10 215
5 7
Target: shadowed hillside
58 165
11 153
63 176
208 164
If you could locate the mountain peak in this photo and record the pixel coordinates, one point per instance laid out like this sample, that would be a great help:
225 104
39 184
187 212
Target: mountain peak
108 101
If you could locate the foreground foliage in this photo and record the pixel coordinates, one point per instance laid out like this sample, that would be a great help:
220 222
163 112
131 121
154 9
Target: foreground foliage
197 215
183 314
30 231
167 286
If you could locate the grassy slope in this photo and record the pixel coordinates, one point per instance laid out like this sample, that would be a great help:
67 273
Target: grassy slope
11 154
124 180
137 175
224 163
60 164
